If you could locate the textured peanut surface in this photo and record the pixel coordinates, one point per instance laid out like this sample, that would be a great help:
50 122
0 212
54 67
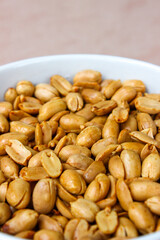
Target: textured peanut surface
80 161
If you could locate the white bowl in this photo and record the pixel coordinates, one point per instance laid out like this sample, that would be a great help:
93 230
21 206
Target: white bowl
42 68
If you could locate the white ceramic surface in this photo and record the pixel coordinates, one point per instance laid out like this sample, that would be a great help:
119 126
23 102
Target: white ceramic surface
42 68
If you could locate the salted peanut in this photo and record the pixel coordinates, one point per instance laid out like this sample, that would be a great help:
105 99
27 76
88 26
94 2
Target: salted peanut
48 235
143 137
26 234
20 127
126 228
4 124
69 150
10 95
3 191
132 163
85 84
83 208
123 194
25 87
51 164
64 208
137 84
72 122
103 107
44 196
125 93
155 96
147 105
98 188
142 189
115 167
92 96
32 174
9 168
151 167
145 121
102 144
109 151
29 120
22 220
88 136
73 182
46 132
99 119
45 92
86 112
17 151
46 222
56 117
30 107
79 161
74 101
64 194
54 125
111 88
134 146
71 138
17 115
107 221
124 136
142 217
70 228
61 220
157 137
16 103
61 84
5 212
62 143
60 133
120 114
38 135
35 161
88 75
93 170
18 193
105 83
147 150
158 225
110 129
29 99
130 124
153 204
5 108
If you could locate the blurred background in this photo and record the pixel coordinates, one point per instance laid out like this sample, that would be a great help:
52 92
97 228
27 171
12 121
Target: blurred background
31 28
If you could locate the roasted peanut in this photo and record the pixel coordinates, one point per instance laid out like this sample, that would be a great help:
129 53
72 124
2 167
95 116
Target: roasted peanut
45 92
102 144
33 173
93 170
137 84
110 129
79 161
48 235
86 112
10 95
153 204
125 93
9 168
74 102
104 107
61 84
25 87
126 228
4 125
151 167
111 88
115 167
5 213
46 222
92 96
20 127
88 75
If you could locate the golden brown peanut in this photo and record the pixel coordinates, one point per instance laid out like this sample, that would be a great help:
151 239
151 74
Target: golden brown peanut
5 212
79 161
17 151
115 167
147 150
5 108
44 196
45 92
64 194
102 144
134 146
88 75
26 234
109 151
120 114
3 191
123 194
25 87
10 95
74 101
22 220
110 129
147 105
107 221
38 135
46 222
73 182
142 189
83 208
99 120
35 161
48 235
151 167
19 193
62 143
57 116
155 96
50 108
111 88
33 173
98 188
64 208
69 150
85 84
30 107
93 170
61 220
132 163
29 99
92 96
130 124
137 84
72 122
88 136
16 103
51 163
46 132
86 112
9 168
61 84
17 115
145 121
105 83
29 120
126 93
70 228
4 124
103 107
124 136
54 125
153 204
126 228
20 127
142 217
2 177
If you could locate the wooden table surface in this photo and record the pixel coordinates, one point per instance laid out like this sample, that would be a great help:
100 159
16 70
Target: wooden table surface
31 28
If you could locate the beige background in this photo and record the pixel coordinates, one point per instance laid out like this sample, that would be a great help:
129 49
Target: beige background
30 28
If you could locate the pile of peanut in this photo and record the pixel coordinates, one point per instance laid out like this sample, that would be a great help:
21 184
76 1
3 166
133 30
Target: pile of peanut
80 161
